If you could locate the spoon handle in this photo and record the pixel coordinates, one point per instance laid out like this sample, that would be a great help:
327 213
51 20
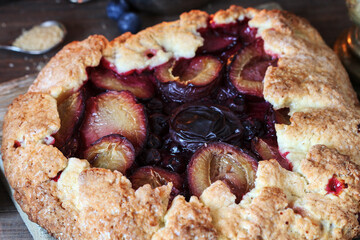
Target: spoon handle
17 49
11 48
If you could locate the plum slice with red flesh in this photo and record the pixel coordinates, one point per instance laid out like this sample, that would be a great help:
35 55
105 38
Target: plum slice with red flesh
114 113
188 79
139 84
215 40
70 111
112 152
240 29
247 69
156 177
220 37
221 161
267 149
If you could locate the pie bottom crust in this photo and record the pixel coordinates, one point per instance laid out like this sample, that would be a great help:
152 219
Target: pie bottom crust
321 142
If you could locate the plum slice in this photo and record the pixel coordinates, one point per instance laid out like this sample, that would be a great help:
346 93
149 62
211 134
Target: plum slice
215 41
139 84
114 113
221 161
193 125
156 177
70 111
112 152
247 69
267 149
188 79
218 38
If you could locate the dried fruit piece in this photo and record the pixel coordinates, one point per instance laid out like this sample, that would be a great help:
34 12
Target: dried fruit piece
139 84
156 177
112 152
247 69
221 161
188 79
114 113
70 111
267 149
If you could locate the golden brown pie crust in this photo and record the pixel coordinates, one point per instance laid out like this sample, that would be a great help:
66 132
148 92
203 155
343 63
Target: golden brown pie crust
322 141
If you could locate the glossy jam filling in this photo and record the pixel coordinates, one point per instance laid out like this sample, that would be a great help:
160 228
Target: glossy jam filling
180 112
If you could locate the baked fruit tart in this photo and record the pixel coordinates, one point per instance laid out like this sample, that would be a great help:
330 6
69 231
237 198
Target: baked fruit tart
237 125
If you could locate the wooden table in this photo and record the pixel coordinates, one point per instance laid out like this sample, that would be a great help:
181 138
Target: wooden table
328 16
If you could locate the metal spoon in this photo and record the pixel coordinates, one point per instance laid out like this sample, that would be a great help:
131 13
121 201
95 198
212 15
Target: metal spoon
36 52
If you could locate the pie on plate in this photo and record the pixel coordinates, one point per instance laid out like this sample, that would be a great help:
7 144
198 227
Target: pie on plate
237 125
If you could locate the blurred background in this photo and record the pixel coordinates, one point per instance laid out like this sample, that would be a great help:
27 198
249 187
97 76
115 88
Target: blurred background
330 17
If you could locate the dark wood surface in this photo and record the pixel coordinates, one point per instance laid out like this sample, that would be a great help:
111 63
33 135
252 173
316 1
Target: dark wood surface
328 16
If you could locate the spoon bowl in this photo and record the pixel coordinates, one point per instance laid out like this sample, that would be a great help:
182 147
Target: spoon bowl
38 52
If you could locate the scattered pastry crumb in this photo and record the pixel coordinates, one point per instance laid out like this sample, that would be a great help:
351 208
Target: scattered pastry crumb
39 38
27 68
11 65
3 25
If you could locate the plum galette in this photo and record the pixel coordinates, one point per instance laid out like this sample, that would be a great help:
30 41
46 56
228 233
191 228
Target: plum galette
237 125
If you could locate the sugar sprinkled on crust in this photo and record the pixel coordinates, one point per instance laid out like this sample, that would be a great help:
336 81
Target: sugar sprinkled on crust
196 223
111 209
335 128
21 122
27 158
263 214
166 40
68 183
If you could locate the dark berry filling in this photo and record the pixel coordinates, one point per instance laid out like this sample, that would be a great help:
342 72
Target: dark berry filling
196 124
210 106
